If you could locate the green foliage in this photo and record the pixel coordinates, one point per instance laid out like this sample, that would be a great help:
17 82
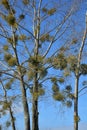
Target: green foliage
46 37
43 72
60 62
55 88
9 83
51 11
22 70
83 69
61 80
11 20
66 73
74 40
6 4
71 96
38 93
58 96
7 57
76 118
22 16
69 103
62 49
30 74
41 92
22 37
72 61
54 79
68 88
44 10
5 47
10 40
12 61
6 105
25 2
35 62
49 60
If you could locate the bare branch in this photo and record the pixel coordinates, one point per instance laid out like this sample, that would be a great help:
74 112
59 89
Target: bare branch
82 89
57 31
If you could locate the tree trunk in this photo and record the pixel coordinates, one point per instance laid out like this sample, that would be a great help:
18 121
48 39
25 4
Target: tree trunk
25 106
9 108
23 91
12 119
35 125
35 115
76 117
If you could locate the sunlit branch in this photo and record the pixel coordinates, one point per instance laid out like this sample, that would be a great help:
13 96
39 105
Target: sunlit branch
26 30
16 77
49 78
58 29
4 65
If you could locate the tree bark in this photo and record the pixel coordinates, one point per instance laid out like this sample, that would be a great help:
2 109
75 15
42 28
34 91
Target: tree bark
9 108
12 119
35 116
35 125
25 106
76 117
22 87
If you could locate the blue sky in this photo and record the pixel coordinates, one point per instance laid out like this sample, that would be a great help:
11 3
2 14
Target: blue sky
53 116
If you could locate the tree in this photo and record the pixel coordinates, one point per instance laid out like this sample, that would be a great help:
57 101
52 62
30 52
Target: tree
11 60
80 70
27 41
6 106
71 63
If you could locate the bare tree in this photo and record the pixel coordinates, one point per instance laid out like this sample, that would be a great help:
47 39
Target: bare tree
76 117
7 106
